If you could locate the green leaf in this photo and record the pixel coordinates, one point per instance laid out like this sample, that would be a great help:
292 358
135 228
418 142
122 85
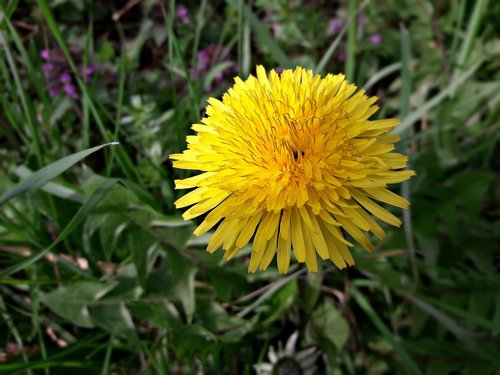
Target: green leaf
139 243
329 323
114 318
44 175
192 338
175 279
72 302
182 283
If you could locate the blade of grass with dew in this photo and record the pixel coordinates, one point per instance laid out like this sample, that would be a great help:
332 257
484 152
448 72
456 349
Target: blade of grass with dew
49 172
404 109
411 366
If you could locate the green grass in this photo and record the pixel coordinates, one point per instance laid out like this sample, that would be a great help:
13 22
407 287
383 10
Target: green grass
98 272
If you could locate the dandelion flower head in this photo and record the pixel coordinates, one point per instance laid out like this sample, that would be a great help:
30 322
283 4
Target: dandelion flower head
293 162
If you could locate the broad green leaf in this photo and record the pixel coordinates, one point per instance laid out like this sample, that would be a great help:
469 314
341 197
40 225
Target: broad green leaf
72 302
44 175
329 323
140 243
182 283
174 279
114 317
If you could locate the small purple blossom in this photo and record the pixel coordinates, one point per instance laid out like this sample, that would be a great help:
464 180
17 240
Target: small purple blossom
71 91
58 72
181 12
88 70
204 59
208 57
375 39
336 25
65 77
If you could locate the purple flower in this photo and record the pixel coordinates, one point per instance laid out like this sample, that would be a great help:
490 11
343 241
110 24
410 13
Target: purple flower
375 39
88 70
181 13
204 58
336 25
208 57
71 91
65 77
58 74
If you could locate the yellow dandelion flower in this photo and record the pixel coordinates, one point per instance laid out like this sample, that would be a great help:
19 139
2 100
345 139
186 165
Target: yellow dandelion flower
292 161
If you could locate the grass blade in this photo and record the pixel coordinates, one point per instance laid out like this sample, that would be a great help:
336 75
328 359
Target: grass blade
431 103
368 309
81 214
263 36
44 175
